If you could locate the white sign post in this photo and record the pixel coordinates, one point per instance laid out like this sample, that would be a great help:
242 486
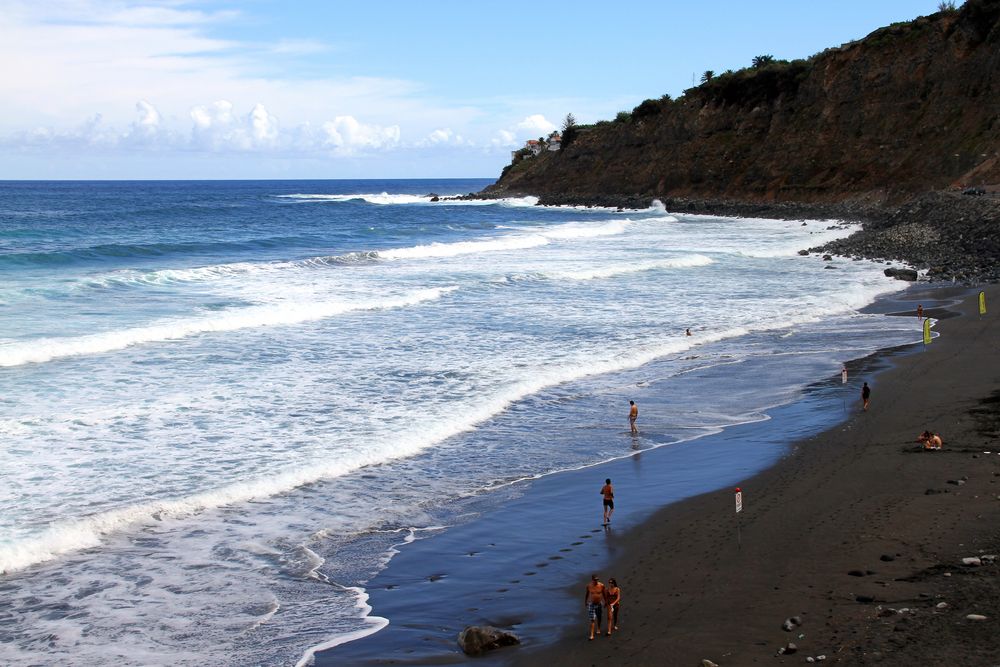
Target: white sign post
739 508
843 380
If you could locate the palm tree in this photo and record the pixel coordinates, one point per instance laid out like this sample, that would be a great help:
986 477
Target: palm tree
762 61
707 76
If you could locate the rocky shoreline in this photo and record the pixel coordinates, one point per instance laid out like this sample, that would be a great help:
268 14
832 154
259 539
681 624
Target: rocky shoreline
954 237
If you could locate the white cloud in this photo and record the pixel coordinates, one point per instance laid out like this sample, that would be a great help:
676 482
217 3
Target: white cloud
444 136
531 127
143 73
149 117
536 123
264 126
347 132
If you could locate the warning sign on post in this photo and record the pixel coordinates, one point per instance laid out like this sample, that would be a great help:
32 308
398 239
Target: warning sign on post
739 500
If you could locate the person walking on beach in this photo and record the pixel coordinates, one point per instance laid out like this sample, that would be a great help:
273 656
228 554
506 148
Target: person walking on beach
920 311
608 492
866 396
633 414
612 599
594 599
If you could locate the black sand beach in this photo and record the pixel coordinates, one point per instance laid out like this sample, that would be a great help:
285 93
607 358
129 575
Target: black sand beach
851 525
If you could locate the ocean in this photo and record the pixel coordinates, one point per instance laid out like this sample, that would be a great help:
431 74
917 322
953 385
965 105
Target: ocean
225 405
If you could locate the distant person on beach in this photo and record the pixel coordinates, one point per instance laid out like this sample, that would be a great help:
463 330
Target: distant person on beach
931 440
866 395
608 492
612 599
920 311
633 414
594 599
687 332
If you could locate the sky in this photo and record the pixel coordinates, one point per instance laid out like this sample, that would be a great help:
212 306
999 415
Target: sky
177 89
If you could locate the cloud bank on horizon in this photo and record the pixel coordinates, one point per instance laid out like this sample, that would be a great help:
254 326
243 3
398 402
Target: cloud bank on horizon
153 88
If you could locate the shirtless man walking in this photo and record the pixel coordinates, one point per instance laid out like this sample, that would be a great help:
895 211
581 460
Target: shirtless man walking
594 599
608 492
633 414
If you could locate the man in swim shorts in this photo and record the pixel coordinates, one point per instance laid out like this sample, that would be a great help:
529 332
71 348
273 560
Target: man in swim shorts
633 414
608 492
866 396
594 599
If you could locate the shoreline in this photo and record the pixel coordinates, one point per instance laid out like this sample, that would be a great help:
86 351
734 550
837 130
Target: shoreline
472 566
857 533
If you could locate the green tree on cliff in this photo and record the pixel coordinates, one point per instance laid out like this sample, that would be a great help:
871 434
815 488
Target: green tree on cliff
762 61
569 130
707 76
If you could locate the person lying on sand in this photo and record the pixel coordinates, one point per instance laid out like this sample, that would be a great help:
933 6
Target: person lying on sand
930 440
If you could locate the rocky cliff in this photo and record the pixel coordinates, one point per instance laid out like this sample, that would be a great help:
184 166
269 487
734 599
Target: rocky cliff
912 107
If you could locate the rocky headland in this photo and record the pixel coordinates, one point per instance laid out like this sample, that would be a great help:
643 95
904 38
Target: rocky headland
898 131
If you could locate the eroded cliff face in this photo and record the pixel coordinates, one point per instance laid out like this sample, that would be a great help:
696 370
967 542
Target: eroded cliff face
910 108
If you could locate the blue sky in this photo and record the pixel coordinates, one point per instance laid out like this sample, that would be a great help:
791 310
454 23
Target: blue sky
376 89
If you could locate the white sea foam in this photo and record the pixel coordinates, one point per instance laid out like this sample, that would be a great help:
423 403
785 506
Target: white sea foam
65 537
130 277
438 250
575 230
538 236
375 623
47 349
385 198
687 261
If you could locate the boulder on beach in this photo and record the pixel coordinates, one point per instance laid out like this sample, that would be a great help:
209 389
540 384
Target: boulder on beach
476 639
901 274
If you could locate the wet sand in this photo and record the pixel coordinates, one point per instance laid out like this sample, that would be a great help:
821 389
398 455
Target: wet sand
849 523
858 532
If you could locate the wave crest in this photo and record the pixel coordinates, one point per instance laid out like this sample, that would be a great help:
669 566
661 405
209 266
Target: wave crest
47 349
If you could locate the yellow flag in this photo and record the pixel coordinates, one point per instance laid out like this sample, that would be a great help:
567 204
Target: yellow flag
927 331
982 303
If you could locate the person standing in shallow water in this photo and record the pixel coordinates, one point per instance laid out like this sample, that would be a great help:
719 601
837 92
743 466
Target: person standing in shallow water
594 599
866 396
633 414
608 492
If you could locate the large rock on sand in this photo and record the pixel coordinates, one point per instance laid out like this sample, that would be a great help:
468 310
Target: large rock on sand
477 639
901 274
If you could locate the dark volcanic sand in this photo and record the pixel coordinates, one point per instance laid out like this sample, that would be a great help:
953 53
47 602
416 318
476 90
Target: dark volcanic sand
859 499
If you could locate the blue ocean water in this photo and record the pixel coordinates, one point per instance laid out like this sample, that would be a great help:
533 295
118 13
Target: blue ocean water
225 404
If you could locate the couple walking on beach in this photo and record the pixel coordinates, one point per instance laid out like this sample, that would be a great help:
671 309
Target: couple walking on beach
599 597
